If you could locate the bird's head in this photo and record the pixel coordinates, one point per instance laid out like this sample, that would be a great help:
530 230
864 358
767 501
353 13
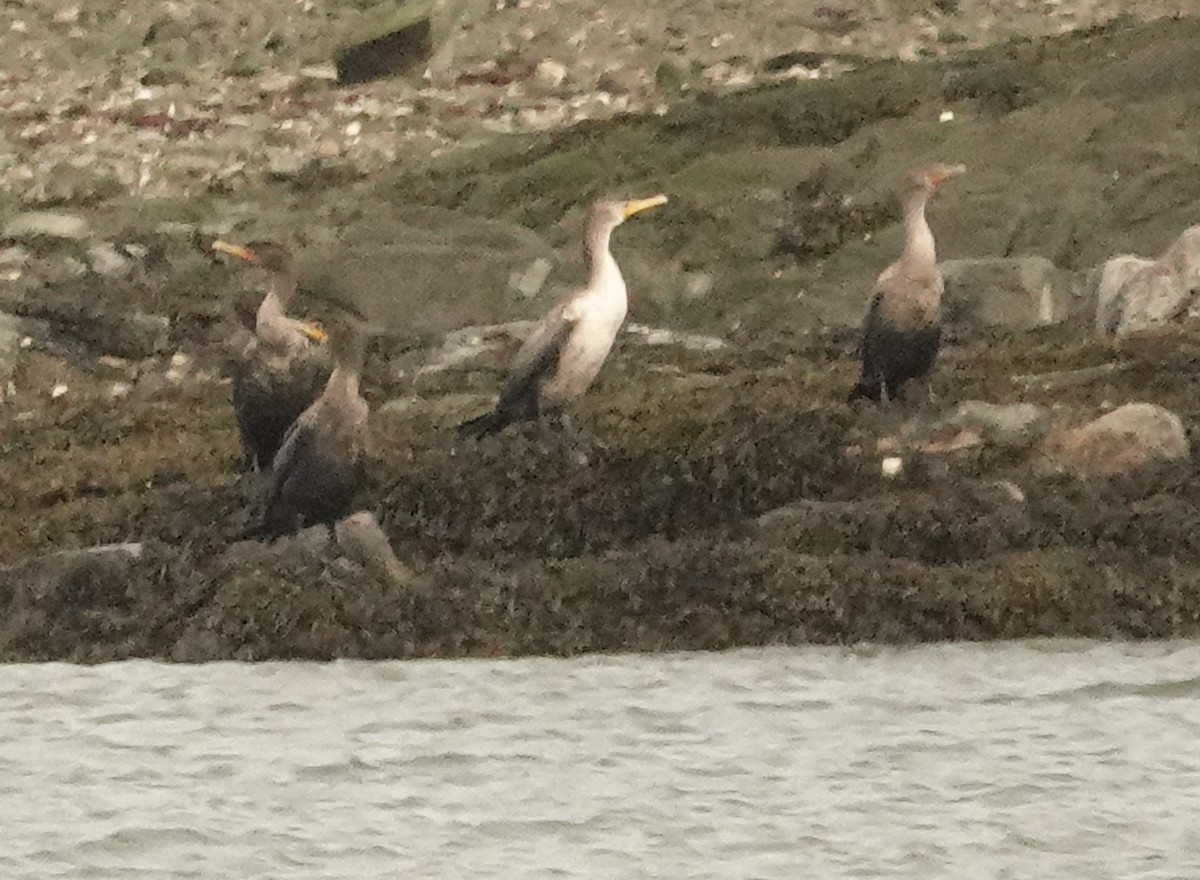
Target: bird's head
924 180
268 255
611 213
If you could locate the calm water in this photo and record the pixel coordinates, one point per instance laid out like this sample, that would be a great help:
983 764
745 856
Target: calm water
1048 760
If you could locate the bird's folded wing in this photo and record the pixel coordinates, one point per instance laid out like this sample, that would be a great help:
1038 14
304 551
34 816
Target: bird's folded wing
295 443
540 353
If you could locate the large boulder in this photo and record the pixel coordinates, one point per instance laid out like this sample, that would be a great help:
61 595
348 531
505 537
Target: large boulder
1153 292
1102 290
1013 292
475 269
1122 441
55 602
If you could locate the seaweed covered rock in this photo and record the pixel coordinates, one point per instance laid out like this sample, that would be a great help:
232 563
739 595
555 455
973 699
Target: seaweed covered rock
97 603
941 524
317 594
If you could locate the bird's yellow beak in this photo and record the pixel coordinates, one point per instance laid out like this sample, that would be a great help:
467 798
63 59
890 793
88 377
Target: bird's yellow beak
943 172
235 250
312 330
636 206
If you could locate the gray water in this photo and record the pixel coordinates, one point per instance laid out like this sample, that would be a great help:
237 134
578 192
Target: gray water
1048 760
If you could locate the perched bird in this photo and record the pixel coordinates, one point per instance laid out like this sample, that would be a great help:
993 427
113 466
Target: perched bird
283 369
318 467
563 354
903 326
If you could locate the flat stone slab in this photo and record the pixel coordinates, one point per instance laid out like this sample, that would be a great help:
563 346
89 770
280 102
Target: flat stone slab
32 225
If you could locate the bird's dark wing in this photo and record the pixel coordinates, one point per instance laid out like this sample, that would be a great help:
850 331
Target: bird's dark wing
539 355
295 447
871 327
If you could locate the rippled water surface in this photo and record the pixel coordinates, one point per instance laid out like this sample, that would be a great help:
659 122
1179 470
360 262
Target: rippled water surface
1062 760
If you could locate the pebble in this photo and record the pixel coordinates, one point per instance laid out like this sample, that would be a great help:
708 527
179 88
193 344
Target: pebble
551 73
46 224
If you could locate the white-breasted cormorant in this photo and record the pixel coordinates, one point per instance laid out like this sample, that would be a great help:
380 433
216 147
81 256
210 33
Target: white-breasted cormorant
561 357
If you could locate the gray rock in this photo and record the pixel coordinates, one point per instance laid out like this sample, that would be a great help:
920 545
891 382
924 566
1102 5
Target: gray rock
1014 425
672 75
659 336
1059 379
110 261
35 225
467 343
619 81
68 184
362 540
1163 291
1013 292
14 257
10 347
1101 290
1125 439
530 282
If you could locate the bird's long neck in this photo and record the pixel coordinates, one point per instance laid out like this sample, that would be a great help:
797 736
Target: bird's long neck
603 271
919 249
344 381
271 324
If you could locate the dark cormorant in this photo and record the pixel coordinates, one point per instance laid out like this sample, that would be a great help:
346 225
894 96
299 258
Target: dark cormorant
282 371
318 467
903 327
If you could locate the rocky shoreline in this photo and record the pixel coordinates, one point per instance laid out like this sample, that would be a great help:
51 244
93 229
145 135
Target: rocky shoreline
725 495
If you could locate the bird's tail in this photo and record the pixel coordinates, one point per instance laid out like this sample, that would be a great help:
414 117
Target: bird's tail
488 423
863 389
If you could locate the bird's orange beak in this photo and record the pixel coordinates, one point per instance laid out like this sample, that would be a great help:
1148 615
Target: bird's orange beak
636 206
235 250
943 173
312 330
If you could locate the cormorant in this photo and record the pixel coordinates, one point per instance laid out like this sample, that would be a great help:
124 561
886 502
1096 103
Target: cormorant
282 371
563 354
318 467
903 326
